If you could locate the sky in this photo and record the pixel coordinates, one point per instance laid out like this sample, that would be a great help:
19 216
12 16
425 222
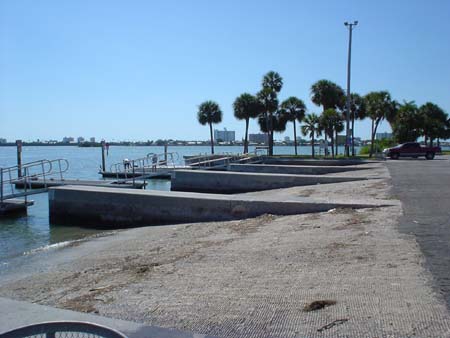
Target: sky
138 70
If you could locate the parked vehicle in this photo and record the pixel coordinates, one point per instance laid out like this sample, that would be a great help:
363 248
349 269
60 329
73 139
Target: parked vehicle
411 149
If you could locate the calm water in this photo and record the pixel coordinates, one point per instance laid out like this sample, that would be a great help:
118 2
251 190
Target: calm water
21 235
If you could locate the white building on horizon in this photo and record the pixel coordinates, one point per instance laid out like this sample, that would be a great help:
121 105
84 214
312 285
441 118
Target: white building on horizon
224 135
257 138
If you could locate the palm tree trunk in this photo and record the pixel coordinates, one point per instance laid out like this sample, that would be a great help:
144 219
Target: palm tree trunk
372 139
336 139
295 138
326 144
431 142
312 145
212 139
246 137
353 135
267 131
271 134
332 144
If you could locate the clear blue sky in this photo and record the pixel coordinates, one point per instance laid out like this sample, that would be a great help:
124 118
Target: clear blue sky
137 70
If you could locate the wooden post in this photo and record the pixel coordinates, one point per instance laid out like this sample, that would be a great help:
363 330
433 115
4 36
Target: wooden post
103 156
19 158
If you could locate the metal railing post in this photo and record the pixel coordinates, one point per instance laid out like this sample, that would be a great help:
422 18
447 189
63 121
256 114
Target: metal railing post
25 185
1 184
43 174
132 163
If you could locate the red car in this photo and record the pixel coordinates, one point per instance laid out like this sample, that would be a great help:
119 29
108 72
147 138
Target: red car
411 149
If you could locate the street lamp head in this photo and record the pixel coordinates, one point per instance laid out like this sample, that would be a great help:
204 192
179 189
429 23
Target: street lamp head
346 23
355 23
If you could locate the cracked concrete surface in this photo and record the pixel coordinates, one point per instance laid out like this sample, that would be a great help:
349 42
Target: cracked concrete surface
254 277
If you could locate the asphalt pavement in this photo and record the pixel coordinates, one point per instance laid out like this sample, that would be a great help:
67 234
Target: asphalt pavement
424 190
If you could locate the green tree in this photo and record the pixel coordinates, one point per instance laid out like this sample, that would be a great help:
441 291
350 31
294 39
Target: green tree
293 110
245 107
331 122
311 128
435 122
278 122
209 112
408 123
272 83
379 106
327 94
269 103
357 112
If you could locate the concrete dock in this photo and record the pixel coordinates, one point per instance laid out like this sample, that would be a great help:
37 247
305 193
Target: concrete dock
14 206
160 172
293 169
41 184
118 208
315 162
236 182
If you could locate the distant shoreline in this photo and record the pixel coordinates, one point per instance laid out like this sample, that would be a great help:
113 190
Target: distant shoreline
24 144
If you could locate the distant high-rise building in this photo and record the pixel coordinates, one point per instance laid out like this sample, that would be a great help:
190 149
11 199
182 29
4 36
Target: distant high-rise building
287 139
383 136
92 139
257 138
80 139
224 135
2 140
68 139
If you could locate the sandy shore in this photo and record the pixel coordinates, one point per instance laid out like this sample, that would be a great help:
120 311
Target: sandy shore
254 277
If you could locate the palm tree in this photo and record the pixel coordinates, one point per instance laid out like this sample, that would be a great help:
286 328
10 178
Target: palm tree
293 110
379 106
327 94
278 122
338 126
331 122
357 112
271 82
269 101
311 127
245 107
208 113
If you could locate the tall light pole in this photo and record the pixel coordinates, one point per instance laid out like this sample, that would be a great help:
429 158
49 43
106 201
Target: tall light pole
350 27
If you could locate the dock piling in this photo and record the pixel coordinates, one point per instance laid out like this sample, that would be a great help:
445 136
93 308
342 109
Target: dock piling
165 152
19 158
103 156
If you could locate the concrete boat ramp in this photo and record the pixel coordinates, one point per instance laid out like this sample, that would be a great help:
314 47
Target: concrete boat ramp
119 208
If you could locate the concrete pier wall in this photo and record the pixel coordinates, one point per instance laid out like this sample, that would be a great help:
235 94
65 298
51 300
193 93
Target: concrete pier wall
316 162
292 169
119 208
235 182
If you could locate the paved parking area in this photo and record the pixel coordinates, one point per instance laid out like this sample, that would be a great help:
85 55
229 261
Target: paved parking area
424 190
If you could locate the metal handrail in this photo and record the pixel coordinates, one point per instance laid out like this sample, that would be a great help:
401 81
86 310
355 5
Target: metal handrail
27 172
146 162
